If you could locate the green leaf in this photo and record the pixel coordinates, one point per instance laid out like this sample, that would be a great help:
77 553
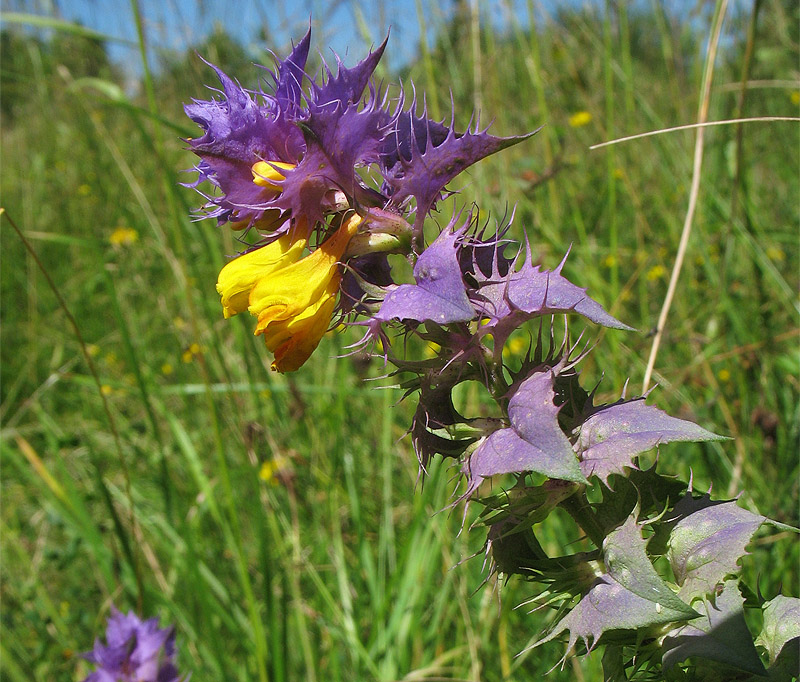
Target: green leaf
720 635
781 627
628 564
705 546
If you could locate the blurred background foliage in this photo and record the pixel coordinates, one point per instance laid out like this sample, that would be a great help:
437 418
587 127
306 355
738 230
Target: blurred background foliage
278 520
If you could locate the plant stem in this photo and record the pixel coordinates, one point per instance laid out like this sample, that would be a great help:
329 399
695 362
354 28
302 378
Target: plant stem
578 507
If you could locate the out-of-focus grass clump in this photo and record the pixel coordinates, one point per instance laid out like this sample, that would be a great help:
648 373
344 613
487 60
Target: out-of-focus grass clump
275 518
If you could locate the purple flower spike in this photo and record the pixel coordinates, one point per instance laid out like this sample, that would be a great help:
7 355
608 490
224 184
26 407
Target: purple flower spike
535 441
439 295
612 435
136 651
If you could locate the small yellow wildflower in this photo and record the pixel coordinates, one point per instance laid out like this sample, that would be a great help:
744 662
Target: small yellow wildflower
656 272
105 389
167 369
610 260
724 375
580 118
267 471
191 352
92 349
794 96
123 236
776 254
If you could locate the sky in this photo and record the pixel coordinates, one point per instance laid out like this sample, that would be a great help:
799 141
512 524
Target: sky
347 27
179 24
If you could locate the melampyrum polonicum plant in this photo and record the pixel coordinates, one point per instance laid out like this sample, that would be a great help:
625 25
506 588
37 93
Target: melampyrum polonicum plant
286 168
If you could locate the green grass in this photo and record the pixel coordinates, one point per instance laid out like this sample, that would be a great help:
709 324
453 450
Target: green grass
339 567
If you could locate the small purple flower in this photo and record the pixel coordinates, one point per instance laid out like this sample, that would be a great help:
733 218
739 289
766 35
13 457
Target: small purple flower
136 651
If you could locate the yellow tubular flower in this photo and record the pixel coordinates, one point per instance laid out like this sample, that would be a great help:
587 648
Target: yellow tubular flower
265 174
294 303
237 278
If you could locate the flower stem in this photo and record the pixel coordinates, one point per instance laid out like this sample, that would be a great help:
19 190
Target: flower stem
578 507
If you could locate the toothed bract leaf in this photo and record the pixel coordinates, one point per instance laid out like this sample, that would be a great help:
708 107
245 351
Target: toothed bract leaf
705 547
289 74
238 132
630 595
612 435
627 562
435 410
609 606
439 294
531 292
534 442
422 172
409 131
780 634
348 85
720 634
338 139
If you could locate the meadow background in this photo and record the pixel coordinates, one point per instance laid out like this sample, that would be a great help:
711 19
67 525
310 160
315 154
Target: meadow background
157 464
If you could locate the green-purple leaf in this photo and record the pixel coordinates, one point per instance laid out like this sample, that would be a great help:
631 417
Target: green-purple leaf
613 435
780 635
705 547
720 635
630 595
610 606
534 442
627 562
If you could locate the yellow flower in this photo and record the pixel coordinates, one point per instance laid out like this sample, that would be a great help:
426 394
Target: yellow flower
294 305
237 278
266 174
123 236
292 297
580 118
